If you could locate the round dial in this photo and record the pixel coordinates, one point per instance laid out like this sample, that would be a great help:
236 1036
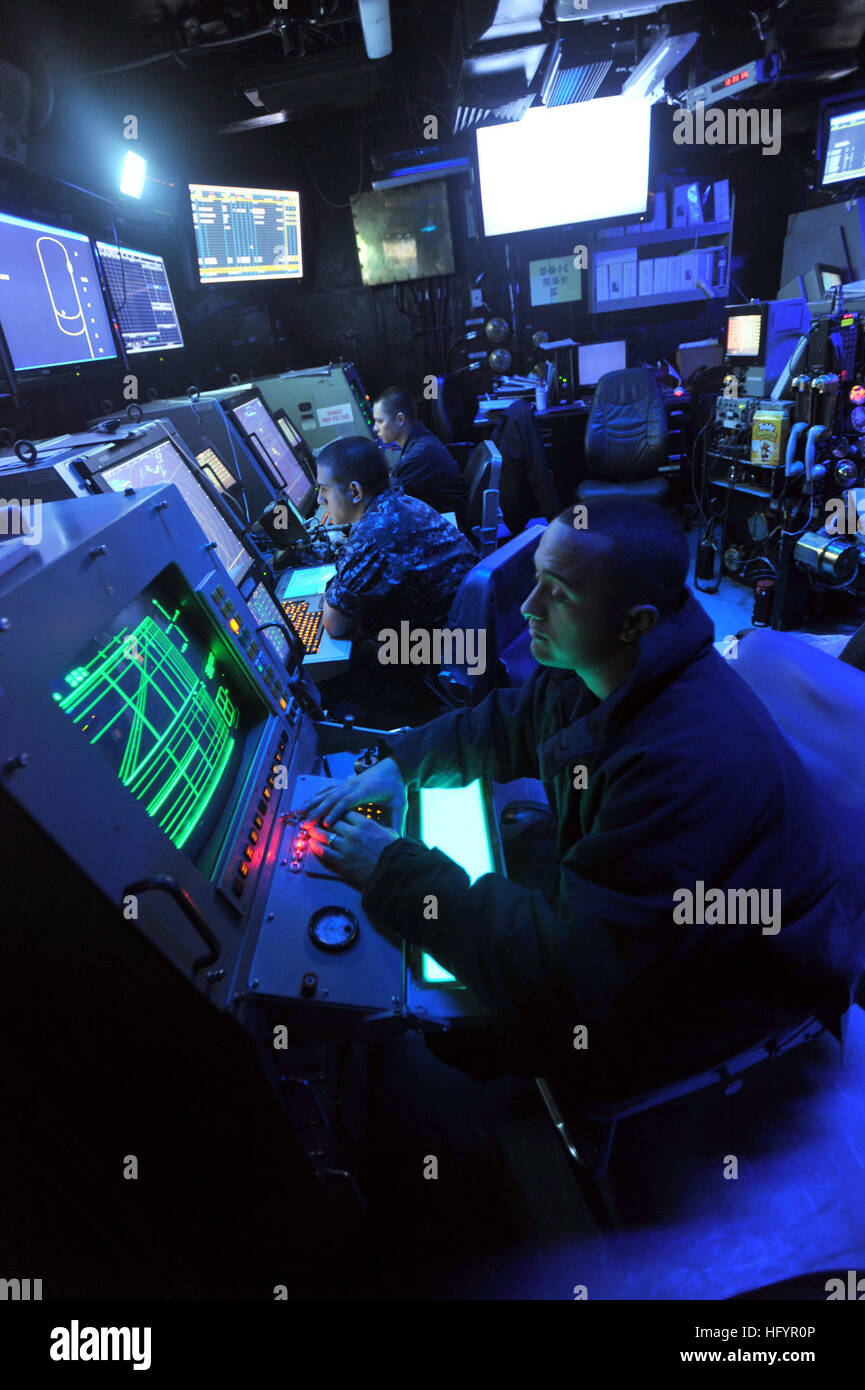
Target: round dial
333 929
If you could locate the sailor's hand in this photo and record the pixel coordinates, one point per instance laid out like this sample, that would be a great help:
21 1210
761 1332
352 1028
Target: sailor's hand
352 847
382 785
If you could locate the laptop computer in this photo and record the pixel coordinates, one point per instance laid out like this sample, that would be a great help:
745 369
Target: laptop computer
301 593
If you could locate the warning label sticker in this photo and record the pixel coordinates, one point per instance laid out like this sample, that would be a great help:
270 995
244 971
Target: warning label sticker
335 415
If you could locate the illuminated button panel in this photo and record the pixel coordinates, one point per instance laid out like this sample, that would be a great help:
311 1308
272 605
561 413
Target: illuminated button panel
254 653
247 853
299 858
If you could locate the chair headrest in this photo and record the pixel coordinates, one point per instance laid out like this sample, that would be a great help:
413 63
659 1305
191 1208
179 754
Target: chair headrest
625 386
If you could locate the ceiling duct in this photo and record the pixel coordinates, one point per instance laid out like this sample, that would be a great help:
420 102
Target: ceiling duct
336 81
499 52
573 73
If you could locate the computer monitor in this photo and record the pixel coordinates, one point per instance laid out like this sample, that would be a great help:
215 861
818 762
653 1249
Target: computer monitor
272 624
163 462
844 136
52 309
582 162
829 276
272 449
140 296
298 444
154 694
596 359
745 337
246 233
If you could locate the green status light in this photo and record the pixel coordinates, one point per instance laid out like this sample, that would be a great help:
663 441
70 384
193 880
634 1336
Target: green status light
452 819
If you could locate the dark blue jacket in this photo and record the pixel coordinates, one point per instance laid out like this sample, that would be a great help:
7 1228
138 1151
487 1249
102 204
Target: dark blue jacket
426 470
688 779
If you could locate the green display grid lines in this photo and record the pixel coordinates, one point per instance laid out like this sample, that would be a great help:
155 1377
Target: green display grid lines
168 738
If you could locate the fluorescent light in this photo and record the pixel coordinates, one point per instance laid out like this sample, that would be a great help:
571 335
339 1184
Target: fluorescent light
375 23
132 177
255 123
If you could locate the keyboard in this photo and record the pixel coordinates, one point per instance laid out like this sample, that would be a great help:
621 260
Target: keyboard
307 619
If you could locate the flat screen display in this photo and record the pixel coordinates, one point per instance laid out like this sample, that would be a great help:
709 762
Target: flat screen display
403 233
265 611
596 359
163 463
564 164
141 298
156 697
52 309
743 335
272 447
246 233
845 148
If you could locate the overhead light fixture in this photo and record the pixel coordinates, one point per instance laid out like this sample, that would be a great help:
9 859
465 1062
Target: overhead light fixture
514 17
132 175
421 173
567 80
254 123
375 22
647 79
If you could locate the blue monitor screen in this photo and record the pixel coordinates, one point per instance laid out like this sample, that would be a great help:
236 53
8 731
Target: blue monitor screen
51 305
845 148
246 233
266 611
259 425
163 463
141 298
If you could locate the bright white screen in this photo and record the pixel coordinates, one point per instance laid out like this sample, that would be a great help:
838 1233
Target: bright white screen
596 359
563 164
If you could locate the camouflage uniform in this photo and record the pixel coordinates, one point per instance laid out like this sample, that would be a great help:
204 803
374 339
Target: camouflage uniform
402 562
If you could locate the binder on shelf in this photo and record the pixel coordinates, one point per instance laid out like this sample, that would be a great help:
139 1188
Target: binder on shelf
693 204
659 211
661 278
646 278
602 282
674 275
705 267
629 279
689 270
721 200
616 269
680 205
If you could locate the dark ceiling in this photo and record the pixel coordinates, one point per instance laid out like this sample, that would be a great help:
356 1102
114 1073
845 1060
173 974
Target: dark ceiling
193 60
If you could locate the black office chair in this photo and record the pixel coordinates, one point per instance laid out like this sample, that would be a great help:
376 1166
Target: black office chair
528 490
455 406
483 477
598 1118
626 438
489 600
